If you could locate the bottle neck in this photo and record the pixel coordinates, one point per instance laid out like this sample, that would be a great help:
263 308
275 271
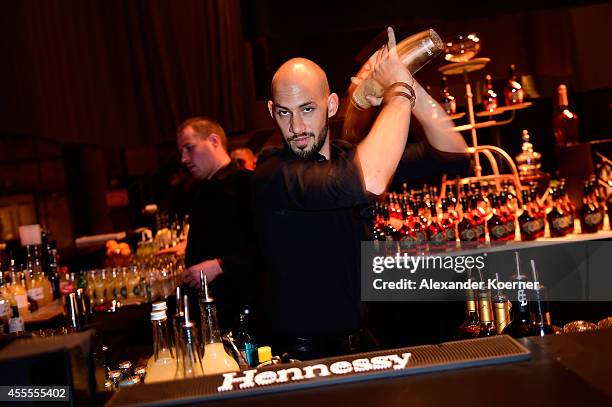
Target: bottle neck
539 309
161 339
562 97
212 332
484 309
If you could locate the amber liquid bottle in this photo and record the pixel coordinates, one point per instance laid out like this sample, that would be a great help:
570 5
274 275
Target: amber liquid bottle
526 220
435 231
598 197
590 215
497 222
570 208
471 326
489 98
485 315
406 239
467 227
509 214
558 221
478 217
513 91
539 212
448 222
565 122
448 102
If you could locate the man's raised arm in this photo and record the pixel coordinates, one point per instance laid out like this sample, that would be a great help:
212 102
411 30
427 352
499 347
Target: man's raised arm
379 153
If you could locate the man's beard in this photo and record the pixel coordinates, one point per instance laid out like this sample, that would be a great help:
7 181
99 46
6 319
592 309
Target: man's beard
319 140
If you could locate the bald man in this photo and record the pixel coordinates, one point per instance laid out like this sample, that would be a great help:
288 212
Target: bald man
307 199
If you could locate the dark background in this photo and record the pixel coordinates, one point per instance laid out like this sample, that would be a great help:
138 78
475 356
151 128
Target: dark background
93 90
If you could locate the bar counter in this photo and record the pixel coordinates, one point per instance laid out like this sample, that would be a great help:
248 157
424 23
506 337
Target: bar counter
569 369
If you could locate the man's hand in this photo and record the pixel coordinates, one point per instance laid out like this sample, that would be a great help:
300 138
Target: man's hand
211 268
385 67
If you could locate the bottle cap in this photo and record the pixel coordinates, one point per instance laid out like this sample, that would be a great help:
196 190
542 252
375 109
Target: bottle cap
158 315
125 366
159 306
130 381
141 372
264 354
115 376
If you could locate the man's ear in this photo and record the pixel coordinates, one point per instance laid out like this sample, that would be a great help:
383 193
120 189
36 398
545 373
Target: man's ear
214 139
271 108
332 104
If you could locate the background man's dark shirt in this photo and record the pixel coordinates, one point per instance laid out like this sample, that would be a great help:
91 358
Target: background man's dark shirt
221 228
310 217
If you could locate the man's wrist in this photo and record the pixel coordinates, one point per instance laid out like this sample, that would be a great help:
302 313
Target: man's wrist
400 90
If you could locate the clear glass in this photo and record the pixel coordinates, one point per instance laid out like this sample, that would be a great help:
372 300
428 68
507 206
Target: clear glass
191 361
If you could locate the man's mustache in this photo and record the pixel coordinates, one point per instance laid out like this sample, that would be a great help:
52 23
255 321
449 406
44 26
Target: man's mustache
296 136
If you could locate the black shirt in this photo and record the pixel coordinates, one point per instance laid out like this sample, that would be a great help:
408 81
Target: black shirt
310 217
221 228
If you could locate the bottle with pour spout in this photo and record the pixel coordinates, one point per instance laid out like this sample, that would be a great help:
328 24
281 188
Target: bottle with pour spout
215 359
190 359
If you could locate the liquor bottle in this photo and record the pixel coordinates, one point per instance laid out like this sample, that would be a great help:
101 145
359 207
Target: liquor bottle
541 323
378 232
501 310
467 227
570 208
448 222
190 360
485 314
565 122
216 359
598 197
558 221
489 98
521 320
497 222
590 215
389 229
245 340
471 326
162 365
435 231
18 291
53 269
451 198
16 325
527 222
478 215
513 91
448 102
538 211
5 303
405 235
508 213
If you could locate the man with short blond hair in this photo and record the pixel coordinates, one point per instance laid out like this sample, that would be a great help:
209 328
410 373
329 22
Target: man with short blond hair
220 240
